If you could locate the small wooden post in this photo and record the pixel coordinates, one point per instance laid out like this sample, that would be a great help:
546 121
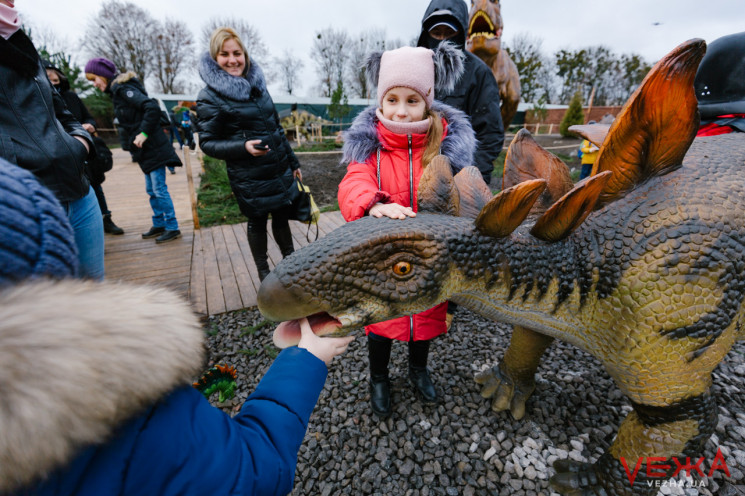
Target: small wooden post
190 180
589 105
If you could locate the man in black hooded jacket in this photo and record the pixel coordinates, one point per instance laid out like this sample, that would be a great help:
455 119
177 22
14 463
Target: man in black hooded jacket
477 92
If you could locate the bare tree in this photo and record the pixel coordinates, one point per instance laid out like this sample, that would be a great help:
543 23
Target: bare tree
289 68
172 50
525 51
358 49
330 56
122 32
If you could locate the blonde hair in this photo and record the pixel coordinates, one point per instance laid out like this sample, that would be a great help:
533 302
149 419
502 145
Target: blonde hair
92 77
434 138
220 36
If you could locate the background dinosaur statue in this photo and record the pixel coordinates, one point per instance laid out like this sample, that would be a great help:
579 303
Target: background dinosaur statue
484 39
641 265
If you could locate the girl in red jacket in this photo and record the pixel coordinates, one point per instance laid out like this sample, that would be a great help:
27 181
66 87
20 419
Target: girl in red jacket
388 148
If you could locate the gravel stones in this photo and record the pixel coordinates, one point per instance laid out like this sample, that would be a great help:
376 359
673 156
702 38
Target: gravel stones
460 446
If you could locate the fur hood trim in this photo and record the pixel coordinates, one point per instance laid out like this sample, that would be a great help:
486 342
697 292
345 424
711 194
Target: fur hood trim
124 77
78 359
235 88
361 139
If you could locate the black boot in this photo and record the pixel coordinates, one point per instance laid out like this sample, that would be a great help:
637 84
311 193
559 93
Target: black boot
418 373
109 226
257 243
283 237
379 353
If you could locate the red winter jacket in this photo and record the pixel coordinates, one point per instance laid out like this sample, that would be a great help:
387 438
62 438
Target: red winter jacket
358 192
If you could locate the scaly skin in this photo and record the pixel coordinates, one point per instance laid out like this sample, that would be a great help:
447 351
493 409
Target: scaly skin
652 285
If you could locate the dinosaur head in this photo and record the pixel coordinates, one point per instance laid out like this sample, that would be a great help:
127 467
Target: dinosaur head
364 272
372 270
484 36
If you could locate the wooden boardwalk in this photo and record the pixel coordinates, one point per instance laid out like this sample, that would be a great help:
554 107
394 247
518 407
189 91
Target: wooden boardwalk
213 266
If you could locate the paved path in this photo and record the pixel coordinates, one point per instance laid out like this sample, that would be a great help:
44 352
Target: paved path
211 266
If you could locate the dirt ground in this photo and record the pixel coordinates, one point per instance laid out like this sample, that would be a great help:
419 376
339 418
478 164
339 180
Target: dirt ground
322 172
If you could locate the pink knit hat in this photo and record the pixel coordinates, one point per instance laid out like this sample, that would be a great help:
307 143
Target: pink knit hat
409 67
421 69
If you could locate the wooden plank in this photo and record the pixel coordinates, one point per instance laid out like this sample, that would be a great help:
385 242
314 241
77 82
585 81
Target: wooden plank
335 217
240 235
326 224
299 231
272 248
215 299
246 288
197 287
227 276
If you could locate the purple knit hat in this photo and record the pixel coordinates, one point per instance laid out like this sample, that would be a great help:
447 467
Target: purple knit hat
409 67
101 67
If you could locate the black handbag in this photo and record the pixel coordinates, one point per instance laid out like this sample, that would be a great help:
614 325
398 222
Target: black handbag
304 208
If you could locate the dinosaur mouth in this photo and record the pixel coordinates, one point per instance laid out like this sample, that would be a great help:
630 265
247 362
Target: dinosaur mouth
288 333
481 25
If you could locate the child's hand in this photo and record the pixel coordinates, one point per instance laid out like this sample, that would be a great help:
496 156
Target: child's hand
324 348
391 210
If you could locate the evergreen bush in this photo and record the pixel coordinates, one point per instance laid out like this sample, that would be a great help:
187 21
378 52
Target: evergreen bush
574 115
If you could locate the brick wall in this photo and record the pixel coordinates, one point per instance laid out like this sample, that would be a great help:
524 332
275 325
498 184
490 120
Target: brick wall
554 116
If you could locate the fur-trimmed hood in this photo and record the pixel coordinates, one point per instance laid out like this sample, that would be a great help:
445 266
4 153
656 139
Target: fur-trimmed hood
361 139
78 359
125 77
232 87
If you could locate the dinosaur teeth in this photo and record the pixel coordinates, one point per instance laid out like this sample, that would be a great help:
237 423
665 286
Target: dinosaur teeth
346 321
484 35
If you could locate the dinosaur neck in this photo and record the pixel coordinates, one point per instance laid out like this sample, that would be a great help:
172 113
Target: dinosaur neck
523 281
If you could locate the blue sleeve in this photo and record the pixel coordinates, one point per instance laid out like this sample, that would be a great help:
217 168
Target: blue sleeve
189 447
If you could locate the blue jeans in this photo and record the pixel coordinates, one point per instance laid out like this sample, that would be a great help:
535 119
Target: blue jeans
87 223
160 200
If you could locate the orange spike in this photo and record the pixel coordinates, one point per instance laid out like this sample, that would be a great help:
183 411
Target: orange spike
594 133
472 190
656 126
571 210
437 192
509 208
527 160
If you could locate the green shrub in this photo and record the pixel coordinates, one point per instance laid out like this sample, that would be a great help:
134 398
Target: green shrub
574 115
216 203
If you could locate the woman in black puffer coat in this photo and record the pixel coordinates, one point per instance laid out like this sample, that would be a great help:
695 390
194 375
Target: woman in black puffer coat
237 122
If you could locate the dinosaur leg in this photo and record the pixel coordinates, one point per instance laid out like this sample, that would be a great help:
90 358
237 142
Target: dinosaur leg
513 381
652 444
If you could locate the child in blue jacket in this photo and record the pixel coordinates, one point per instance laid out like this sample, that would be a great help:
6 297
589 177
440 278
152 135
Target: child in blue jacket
96 379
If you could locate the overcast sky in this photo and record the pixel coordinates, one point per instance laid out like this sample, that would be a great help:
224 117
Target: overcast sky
650 28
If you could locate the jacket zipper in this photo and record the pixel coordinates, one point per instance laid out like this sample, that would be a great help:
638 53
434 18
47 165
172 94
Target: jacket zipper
411 174
411 204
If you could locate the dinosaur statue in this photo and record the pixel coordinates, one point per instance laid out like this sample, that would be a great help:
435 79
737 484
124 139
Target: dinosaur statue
642 265
484 39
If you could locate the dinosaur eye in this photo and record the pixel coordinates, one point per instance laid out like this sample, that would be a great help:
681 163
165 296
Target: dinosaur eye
402 268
